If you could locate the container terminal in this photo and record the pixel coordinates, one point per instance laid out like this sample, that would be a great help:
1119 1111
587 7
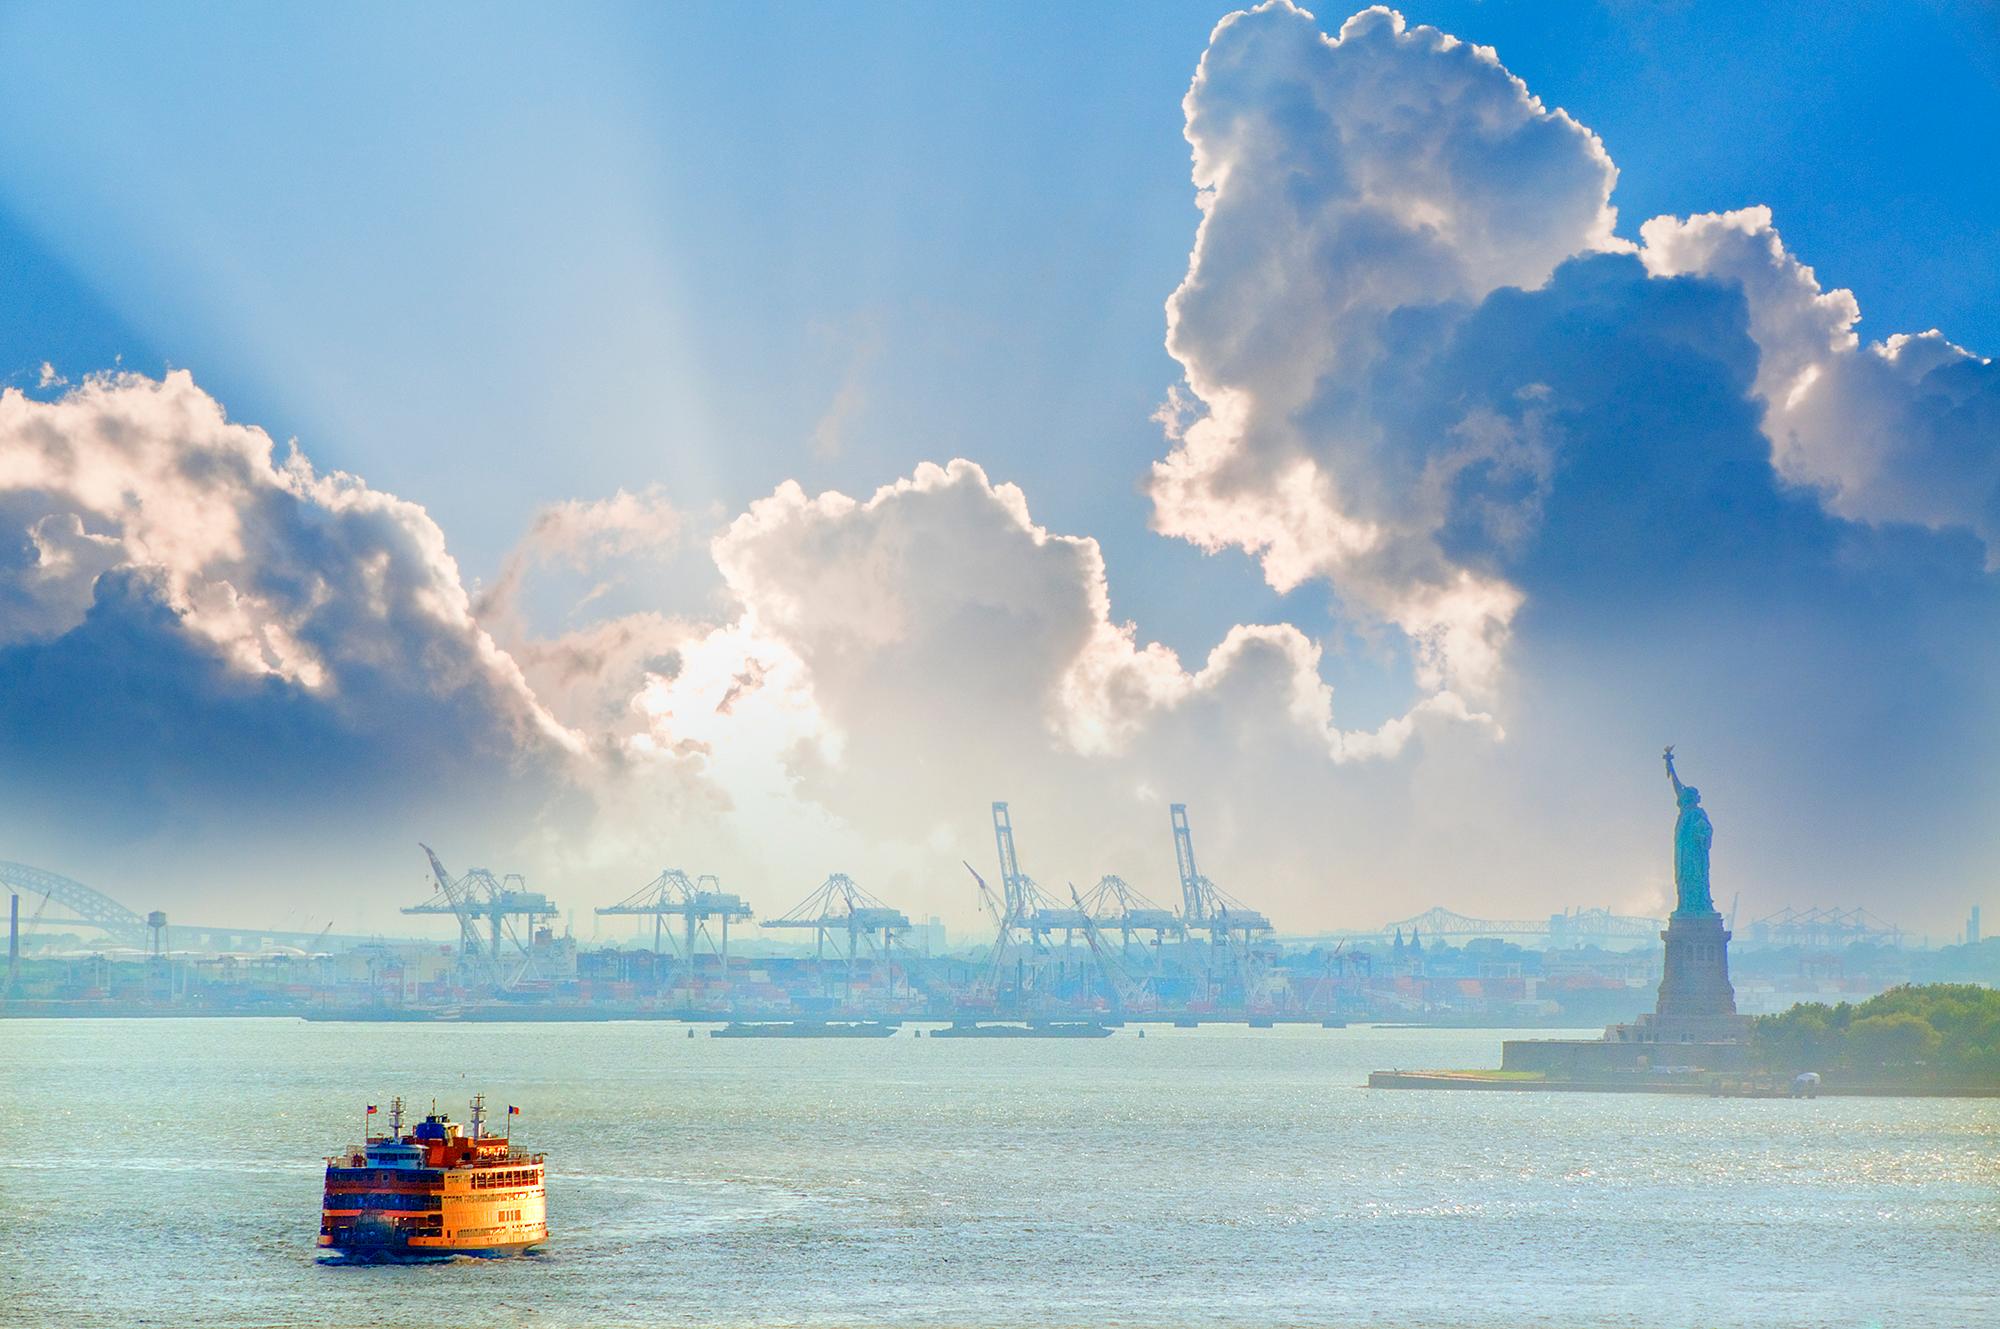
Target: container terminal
843 963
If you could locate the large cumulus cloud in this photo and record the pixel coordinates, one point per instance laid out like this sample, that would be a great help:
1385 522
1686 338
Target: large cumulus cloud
193 627
1627 492
900 661
1359 408
1906 429
1342 180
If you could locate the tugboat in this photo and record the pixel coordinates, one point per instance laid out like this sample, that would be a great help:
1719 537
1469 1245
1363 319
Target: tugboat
439 1191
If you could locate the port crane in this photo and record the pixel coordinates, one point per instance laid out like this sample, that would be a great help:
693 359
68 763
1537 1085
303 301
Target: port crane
985 989
697 902
1033 915
840 907
1127 995
1113 904
837 907
1336 968
1032 909
1232 926
481 897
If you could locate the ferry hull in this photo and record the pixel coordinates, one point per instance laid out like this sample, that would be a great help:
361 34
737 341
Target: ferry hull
403 1253
382 1243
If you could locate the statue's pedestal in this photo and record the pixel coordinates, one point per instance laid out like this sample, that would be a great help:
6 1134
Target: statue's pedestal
1695 980
1697 1003
1694 1024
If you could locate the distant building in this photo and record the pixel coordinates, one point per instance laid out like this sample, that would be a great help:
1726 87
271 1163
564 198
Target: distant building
930 938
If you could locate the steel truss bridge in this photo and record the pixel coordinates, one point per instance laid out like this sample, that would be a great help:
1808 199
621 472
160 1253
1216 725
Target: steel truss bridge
1577 927
89 907
121 927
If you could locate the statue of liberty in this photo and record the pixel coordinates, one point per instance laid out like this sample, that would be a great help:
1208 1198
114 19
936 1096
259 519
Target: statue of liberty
1692 834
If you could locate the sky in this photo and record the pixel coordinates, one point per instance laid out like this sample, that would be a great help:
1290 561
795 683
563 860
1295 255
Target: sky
753 438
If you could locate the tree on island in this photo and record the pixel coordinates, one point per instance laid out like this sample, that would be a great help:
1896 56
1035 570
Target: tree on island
1943 1033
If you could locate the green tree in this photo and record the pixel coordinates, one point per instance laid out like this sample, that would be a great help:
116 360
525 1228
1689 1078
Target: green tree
1800 1039
1948 1032
1900 1040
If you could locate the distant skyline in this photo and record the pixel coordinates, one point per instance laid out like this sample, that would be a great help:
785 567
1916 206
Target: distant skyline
754 439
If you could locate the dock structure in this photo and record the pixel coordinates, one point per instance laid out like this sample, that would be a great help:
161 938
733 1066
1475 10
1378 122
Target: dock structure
481 897
838 908
698 902
1238 935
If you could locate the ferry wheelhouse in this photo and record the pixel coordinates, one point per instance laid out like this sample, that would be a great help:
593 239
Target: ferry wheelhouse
439 1191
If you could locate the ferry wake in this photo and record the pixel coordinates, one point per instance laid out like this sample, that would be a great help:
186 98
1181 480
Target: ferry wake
439 1191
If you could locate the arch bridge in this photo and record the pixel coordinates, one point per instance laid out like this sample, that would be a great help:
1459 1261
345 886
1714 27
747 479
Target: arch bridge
90 907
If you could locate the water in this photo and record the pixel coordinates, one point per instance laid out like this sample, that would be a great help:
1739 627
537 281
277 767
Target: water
168 1172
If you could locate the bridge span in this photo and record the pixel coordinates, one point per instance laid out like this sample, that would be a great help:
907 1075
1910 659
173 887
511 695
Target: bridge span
122 927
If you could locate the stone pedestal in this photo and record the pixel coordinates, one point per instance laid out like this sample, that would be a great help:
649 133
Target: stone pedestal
1695 980
1695 1023
1697 1003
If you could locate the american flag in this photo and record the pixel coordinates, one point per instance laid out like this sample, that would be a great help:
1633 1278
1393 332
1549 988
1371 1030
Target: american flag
371 1109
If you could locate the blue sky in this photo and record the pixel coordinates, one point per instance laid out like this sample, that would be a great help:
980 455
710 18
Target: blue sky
492 258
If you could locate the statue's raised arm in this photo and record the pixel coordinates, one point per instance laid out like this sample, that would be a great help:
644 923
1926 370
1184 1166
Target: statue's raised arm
1678 786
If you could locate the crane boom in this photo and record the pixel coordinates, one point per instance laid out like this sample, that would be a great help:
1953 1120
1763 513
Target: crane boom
1010 866
461 906
986 896
1194 899
1124 992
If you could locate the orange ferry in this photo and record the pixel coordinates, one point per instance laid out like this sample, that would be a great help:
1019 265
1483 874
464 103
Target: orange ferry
437 1192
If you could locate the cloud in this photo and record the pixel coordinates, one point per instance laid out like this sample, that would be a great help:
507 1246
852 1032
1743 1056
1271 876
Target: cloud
183 610
850 397
587 674
1613 492
900 661
1368 202
1906 429
1342 181
583 535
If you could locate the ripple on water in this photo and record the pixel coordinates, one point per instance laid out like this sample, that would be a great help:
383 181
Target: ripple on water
170 1170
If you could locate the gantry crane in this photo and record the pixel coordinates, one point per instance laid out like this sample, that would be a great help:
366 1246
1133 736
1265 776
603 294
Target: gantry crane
1127 994
1032 916
696 901
840 907
1032 910
1230 924
480 896
1113 904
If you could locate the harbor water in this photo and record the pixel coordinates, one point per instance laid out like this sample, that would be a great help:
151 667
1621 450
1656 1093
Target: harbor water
167 1172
